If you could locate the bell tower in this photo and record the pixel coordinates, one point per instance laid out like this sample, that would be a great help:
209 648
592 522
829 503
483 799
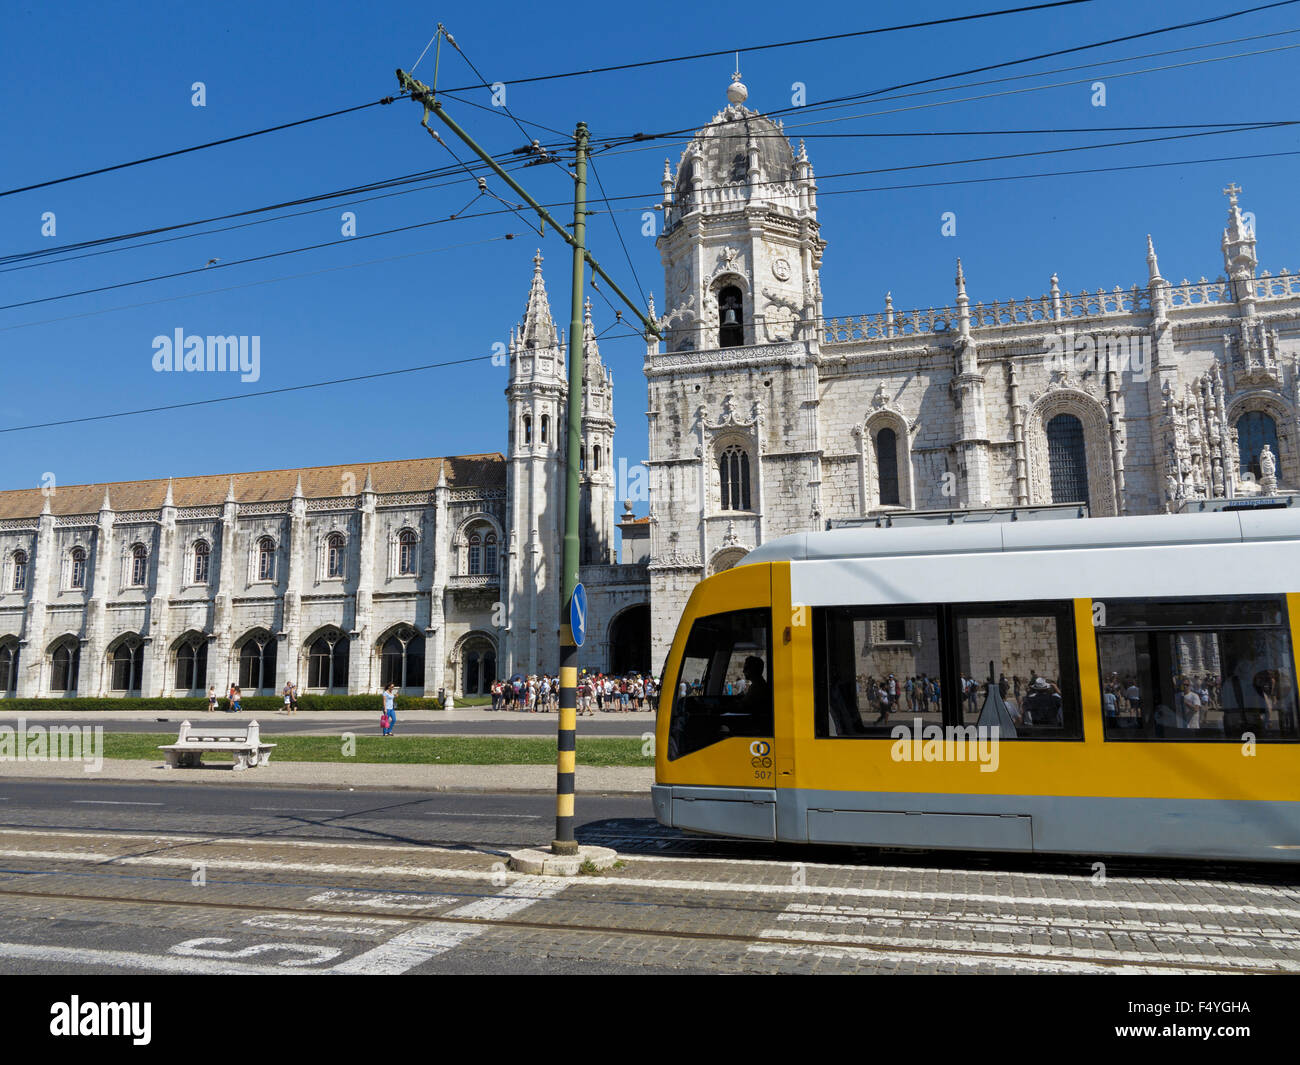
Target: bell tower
530 579
596 475
741 246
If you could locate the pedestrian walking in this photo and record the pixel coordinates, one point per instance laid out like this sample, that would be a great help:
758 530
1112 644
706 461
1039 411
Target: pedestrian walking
389 717
212 699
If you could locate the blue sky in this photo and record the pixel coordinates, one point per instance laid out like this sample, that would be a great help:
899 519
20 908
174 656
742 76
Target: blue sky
88 85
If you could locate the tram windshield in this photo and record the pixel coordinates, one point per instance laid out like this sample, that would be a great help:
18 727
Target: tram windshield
724 686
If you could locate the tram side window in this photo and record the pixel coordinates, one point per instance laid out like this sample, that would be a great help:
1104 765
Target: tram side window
1197 670
724 687
1029 647
875 667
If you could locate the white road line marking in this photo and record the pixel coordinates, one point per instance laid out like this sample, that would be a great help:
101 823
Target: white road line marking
134 960
1027 965
992 922
110 802
406 950
293 922
1037 950
386 899
511 817
208 948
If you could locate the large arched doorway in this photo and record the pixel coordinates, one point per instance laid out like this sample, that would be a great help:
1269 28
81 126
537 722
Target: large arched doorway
629 641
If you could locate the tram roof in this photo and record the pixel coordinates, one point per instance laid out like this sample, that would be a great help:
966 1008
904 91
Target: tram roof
1242 526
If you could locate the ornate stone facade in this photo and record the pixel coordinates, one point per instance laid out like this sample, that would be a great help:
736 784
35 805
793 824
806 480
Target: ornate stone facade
1128 399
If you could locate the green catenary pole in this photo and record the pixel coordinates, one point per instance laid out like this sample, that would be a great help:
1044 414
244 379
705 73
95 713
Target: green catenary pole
566 754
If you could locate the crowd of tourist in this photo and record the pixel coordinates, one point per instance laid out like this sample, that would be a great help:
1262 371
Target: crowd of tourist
597 692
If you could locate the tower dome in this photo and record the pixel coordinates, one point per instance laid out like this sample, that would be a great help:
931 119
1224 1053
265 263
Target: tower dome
720 153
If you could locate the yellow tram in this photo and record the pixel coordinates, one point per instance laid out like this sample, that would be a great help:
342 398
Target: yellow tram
1108 686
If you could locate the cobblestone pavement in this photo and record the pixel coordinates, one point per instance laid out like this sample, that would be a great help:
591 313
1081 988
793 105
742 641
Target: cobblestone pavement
122 901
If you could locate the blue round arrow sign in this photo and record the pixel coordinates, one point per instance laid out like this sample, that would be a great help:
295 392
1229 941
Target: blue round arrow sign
578 614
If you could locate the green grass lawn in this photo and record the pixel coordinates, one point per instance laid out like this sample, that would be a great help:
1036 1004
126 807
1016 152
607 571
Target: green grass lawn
405 750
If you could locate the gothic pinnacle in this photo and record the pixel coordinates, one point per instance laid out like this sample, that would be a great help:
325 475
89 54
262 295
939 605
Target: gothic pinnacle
1153 265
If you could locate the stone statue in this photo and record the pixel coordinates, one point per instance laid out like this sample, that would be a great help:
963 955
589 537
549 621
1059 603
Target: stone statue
1267 471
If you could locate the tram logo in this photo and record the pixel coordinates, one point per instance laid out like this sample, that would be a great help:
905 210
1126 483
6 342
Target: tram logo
759 748
952 743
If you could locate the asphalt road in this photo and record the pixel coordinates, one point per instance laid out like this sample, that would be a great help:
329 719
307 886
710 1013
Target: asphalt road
439 818
108 877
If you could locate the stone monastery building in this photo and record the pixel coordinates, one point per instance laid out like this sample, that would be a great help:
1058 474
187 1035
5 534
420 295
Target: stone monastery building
766 417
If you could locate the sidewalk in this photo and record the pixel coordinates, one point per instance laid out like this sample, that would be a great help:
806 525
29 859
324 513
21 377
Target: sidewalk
329 720
358 776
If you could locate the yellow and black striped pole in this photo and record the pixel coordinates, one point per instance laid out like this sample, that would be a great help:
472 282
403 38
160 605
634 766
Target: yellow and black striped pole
567 746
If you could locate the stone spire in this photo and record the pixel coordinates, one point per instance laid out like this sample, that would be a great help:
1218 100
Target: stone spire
45 507
591 357
1238 240
369 485
963 302
230 492
1153 266
297 488
167 499
442 475
538 330
107 504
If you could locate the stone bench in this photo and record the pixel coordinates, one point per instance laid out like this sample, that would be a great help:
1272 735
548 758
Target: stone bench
244 741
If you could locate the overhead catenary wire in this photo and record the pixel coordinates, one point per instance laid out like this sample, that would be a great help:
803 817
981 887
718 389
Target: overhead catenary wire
854 97
59 254
247 395
196 147
618 233
825 38
257 283
629 145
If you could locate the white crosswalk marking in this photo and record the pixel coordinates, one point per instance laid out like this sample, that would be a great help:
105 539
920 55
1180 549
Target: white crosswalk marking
406 950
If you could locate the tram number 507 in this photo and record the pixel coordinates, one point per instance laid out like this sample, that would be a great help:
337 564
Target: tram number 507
760 757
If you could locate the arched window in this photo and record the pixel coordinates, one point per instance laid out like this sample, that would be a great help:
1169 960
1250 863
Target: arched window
887 466
476 553
733 474
731 318
546 427
139 565
202 554
266 559
528 430
128 666
20 571
582 457
77 578
406 552
1067 459
9 667
490 554
64 666
401 660
192 664
257 663
334 555
327 662
595 457
1255 429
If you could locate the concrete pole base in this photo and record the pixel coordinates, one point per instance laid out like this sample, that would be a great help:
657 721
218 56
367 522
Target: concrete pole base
544 863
